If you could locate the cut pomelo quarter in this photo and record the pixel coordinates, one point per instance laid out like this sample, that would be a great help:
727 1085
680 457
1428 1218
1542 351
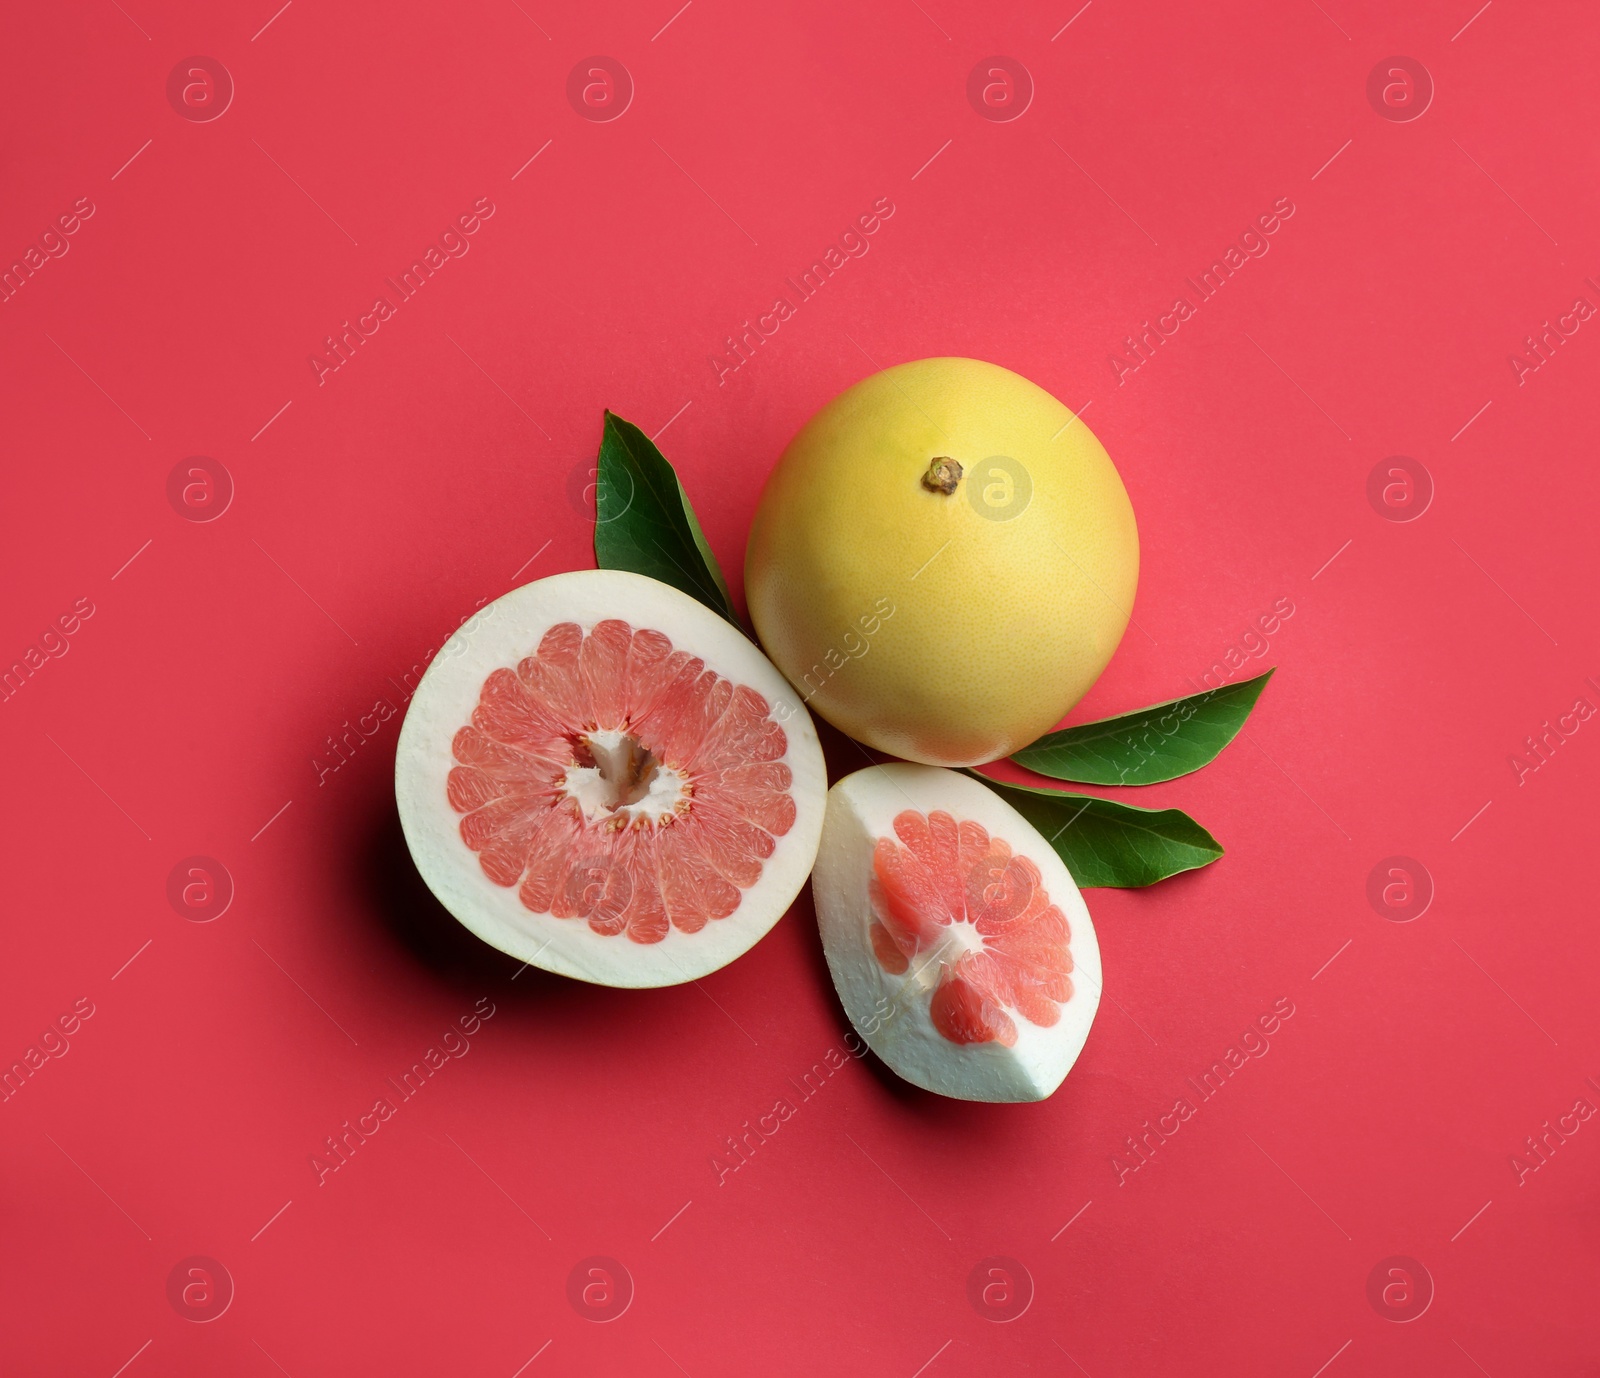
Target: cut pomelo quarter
600 776
958 942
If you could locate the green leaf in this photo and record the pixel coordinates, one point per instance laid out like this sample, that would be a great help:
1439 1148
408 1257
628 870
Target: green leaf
1107 843
643 521
1148 746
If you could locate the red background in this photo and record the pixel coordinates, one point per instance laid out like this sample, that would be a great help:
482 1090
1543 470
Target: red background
385 503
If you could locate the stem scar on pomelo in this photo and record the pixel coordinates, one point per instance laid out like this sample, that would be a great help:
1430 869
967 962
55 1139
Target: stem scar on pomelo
600 776
991 520
940 904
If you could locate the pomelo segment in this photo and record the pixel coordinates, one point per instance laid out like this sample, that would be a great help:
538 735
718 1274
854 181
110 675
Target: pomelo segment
599 776
958 942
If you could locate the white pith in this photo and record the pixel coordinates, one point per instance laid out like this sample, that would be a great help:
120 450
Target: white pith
595 788
499 636
891 1012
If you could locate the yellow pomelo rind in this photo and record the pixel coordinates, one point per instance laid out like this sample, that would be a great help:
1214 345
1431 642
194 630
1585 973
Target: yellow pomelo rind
950 629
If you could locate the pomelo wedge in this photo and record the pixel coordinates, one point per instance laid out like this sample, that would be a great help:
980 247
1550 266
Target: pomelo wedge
957 940
600 776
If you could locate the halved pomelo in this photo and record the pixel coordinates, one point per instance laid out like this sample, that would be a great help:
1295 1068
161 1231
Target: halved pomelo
958 942
602 777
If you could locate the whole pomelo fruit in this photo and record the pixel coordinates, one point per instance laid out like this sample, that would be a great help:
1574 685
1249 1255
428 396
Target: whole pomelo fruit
943 561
